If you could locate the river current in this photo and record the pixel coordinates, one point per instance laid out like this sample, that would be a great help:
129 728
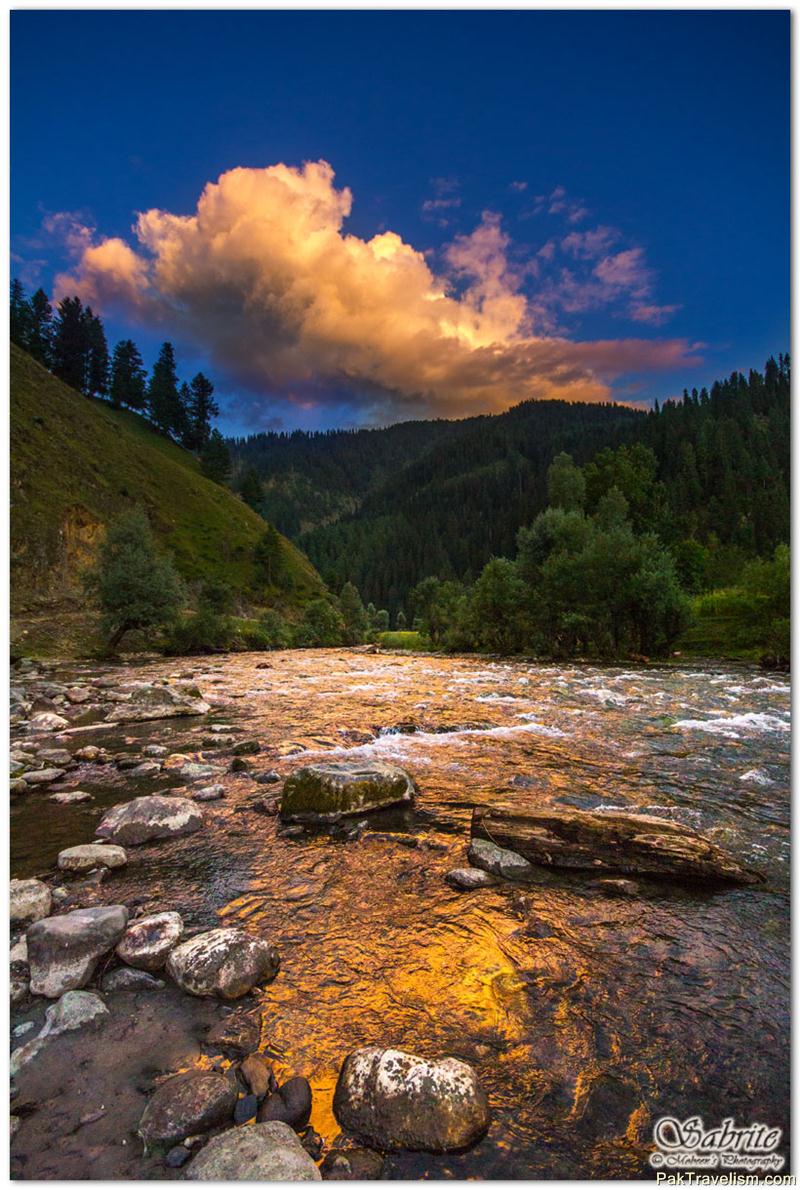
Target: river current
587 1015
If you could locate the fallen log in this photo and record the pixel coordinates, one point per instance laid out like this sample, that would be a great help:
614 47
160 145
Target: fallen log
633 844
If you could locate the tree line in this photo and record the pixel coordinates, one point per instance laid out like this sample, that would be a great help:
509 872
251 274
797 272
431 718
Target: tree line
70 341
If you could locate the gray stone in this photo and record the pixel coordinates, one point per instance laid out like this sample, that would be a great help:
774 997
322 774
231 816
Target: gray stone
187 1104
198 772
394 1100
147 818
147 768
72 798
48 721
268 1152
225 963
86 856
326 792
498 860
209 793
148 940
159 702
467 879
42 776
73 1011
63 951
128 979
29 901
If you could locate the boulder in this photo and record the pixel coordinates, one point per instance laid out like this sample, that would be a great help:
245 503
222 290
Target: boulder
291 1103
185 1105
63 951
72 798
73 1011
147 818
467 879
268 1152
42 776
86 856
499 861
148 940
630 844
28 901
159 702
225 963
48 721
326 792
394 1100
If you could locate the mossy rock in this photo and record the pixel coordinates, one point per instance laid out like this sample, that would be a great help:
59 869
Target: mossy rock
326 792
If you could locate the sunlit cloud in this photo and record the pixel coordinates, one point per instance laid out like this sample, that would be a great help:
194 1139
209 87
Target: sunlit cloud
266 280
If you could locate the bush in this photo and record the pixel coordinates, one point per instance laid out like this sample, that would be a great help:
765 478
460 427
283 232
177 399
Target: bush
202 632
322 626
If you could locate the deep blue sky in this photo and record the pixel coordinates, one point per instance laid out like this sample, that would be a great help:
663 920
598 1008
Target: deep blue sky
671 127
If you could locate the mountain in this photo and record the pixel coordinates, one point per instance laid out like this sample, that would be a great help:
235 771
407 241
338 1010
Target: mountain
76 463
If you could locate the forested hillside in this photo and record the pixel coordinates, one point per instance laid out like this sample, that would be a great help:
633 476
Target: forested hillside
708 473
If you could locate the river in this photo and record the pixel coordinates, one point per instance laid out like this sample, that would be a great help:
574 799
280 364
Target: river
588 1016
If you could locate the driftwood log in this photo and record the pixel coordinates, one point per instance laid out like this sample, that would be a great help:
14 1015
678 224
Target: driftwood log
634 844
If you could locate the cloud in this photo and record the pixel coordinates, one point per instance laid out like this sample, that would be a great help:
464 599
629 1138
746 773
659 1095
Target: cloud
518 187
264 277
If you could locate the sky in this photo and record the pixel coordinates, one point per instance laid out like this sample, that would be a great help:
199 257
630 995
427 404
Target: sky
351 218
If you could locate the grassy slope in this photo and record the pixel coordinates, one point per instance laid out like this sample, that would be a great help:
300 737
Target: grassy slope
77 463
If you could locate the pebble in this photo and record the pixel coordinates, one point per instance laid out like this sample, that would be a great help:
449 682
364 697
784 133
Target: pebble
177 1157
268 778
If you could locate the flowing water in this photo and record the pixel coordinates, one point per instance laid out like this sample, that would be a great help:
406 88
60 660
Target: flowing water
587 1015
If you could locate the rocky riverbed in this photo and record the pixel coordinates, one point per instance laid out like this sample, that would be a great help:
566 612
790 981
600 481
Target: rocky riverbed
584 1004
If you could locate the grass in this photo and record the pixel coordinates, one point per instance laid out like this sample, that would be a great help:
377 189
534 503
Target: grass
76 463
403 640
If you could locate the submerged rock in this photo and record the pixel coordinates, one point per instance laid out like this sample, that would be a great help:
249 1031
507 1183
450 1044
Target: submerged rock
185 1105
73 797
73 1011
148 940
353 1165
28 901
499 861
159 702
632 844
394 1100
128 979
42 776
291 1103
325 792
268 1152
239 1032
225 963
146 818
86 856
467 879
63 951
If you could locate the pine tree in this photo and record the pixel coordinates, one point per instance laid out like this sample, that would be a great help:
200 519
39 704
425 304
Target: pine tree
215 460
163 399
40 338
97 364
128 377
251 490
20 315
267 557
183 427
71 343
353 614
202 408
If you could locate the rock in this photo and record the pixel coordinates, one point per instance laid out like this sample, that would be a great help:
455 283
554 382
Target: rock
19 951
239 765
239 1032
197 772
186 1104
148 940
128 979
395 1100
78 694
19 988
159 702
326 792
48 721
18 786
155 750
246 748
209 793
225 963
268 778
71 798
291 1103
498 860
73 1011
469 878
55 756
63 951
13 1123
42 776
147 768
257 1073
618 888
28 901
353 1165
90 753
86 856
147 818
632 844
268 1152
266 805
245 1109
177 1156
313 1143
